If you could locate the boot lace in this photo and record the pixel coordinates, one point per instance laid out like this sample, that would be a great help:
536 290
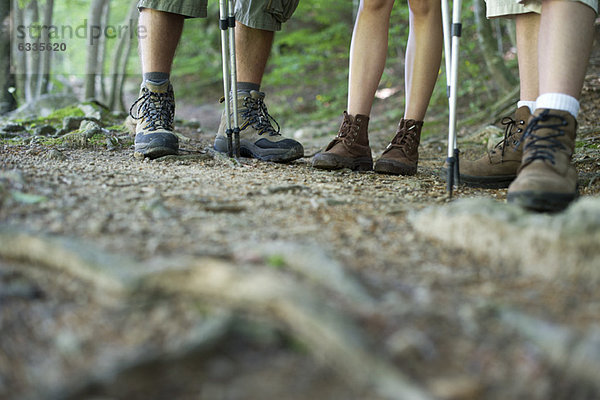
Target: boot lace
509 131
543 147
255 114
156 109
406 137
348 131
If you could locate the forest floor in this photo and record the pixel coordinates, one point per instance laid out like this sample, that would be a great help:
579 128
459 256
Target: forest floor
202 277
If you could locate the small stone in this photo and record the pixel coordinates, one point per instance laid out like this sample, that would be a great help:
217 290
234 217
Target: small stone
54 154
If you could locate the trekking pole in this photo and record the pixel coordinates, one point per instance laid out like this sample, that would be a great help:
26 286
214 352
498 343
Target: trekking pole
227 26
453 171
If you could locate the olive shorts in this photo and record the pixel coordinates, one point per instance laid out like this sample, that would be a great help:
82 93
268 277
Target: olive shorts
259 14
505 8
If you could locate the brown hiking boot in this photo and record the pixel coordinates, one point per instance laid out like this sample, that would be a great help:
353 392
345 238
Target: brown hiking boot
547 180
401 156
350 148
498 168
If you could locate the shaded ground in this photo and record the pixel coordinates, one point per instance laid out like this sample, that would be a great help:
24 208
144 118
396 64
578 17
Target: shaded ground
436 317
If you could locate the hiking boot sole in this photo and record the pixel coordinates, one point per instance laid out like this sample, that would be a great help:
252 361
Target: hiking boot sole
156 144
390 167
487 182
249 149
147 150
333 161
541 201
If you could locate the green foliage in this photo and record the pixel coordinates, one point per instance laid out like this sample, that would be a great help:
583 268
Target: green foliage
306 77
58 115
276 261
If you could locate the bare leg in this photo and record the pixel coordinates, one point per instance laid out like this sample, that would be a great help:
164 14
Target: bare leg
253 47
159 39
423 56
565 43
368 52
528 26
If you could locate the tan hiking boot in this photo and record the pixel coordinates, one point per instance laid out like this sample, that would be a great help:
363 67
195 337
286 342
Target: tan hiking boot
154 114
350 148
401 156
498 168
547 180
258 138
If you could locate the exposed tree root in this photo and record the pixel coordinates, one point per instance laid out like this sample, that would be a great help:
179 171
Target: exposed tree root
328 331
578 355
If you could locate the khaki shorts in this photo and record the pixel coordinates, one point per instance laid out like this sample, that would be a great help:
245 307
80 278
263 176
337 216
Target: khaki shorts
259 14
505 8
187 8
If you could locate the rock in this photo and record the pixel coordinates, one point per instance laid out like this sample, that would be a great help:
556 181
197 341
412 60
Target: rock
89 128
91 110
44 130
12 127
72 123
7 135
54 154
44 105
559 245
61 132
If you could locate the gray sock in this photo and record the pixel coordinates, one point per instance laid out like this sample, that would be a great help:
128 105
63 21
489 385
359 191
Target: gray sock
247 86
157 77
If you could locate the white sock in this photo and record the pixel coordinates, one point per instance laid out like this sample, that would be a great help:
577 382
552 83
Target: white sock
528 103
558 101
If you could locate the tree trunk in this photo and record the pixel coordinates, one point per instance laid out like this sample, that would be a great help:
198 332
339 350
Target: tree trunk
7 79
44 76
102 50
92 68
33 57
20 61
119 65
502 76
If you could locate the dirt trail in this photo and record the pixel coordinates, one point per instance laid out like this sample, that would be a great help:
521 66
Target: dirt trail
333 249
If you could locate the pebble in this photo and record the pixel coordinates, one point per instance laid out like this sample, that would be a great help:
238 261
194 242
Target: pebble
54 154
